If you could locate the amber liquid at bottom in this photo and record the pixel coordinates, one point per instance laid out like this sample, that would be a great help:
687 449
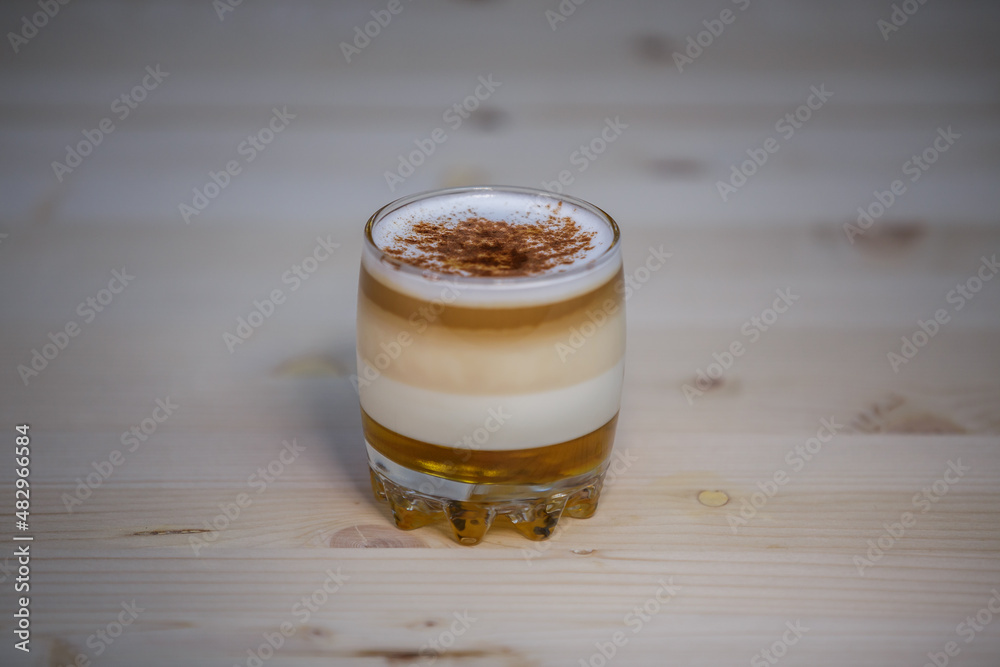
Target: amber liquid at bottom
470 489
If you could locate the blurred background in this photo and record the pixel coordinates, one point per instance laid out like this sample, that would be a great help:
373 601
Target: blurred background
357 109
374 102
164 166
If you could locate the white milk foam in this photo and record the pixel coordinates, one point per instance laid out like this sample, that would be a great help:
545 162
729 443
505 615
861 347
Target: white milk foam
531 419
511 207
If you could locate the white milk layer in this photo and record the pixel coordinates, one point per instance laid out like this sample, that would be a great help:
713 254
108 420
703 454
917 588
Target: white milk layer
495 422
589 270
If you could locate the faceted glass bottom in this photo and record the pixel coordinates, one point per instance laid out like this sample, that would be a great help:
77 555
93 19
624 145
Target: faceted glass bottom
533 510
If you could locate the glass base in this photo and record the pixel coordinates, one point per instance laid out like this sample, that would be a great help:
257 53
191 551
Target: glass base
533 510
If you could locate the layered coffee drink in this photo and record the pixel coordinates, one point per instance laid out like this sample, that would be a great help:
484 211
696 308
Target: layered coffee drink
491 340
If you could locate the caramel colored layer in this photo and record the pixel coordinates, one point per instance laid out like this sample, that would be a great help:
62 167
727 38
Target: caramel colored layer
519 466
452 349
438 312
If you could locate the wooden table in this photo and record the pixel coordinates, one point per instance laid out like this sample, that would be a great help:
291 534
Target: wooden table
812 505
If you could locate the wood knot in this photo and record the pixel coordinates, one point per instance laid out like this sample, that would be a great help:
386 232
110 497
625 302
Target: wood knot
704 383
170 531
873 419
676 167
373 537
62 652
315 632
487 119
713 498
318 365
891 235
895 414
654 48
923 423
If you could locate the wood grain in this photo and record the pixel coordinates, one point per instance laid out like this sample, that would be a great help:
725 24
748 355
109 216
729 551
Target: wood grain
717 510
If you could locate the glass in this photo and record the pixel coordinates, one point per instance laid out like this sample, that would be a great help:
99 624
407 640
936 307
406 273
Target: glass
489 396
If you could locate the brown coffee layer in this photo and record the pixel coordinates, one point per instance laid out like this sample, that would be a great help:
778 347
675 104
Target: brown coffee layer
519 466
453 349
439 312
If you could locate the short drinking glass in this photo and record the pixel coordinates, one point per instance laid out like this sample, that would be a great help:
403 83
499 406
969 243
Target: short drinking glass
491 343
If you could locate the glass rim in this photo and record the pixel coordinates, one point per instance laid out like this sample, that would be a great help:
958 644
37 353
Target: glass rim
513 281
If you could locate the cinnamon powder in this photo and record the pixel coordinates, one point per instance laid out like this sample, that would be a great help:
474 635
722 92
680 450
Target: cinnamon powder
475 246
